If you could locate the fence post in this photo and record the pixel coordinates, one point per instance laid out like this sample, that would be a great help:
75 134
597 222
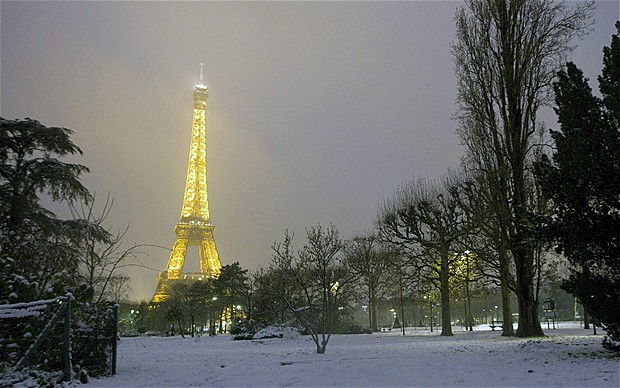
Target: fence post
67 339
114 338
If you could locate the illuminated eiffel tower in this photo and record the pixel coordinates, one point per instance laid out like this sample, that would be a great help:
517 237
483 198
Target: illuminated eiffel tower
194 228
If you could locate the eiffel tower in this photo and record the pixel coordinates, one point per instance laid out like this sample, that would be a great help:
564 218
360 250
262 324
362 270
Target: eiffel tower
194 228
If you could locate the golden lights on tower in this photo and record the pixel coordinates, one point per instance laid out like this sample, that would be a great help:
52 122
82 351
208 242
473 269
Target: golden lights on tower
195 227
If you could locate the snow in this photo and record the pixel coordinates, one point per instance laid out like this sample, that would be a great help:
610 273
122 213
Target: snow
21 311
277 332
569 356
28 309
30 304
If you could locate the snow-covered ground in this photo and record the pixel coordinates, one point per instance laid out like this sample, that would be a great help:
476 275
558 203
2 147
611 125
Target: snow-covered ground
569 356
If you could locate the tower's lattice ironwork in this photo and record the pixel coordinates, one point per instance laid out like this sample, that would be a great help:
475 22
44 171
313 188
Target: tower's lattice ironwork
194 228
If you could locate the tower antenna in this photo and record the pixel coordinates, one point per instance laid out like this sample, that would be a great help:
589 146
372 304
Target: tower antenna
201 67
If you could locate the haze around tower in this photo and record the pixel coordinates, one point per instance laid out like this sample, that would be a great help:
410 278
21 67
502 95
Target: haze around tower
316 111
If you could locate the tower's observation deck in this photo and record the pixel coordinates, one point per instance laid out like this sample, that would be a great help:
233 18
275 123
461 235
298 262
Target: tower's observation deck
194 228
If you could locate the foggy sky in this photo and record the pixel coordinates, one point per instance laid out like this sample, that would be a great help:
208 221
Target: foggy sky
317 112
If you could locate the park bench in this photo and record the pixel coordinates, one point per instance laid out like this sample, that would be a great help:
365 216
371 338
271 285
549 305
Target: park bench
495 324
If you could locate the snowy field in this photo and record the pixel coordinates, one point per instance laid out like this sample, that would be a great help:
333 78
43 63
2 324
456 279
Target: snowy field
566 357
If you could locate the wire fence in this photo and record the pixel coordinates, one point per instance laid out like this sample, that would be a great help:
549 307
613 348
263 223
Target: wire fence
59 334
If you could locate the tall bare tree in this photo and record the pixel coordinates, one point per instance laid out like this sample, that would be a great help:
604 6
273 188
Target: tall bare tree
506 54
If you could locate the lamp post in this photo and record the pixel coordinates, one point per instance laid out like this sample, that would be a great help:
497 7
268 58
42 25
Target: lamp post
431 315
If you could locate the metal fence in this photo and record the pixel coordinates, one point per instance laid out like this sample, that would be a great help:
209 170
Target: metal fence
59 334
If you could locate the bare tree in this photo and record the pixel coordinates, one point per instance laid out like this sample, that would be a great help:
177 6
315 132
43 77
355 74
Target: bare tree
101 259
425 222
370 260
249 294
273 289
118 288
318 270
506 55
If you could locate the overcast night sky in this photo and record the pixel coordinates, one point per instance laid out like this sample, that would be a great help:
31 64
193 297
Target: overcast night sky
317 112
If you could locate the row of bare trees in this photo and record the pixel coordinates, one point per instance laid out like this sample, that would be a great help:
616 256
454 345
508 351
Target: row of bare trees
446 239
409 255
486 216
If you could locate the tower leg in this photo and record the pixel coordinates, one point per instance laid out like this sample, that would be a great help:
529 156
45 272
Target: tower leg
177 256
209 259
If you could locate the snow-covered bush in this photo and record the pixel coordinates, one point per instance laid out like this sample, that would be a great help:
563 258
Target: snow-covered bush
277 331
243 329
350 327
13 287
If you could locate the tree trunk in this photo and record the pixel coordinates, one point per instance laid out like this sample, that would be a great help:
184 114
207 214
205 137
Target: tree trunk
402 305
180 328
431 315
529 323
465 315
374 327
211 322
507 329
446 324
